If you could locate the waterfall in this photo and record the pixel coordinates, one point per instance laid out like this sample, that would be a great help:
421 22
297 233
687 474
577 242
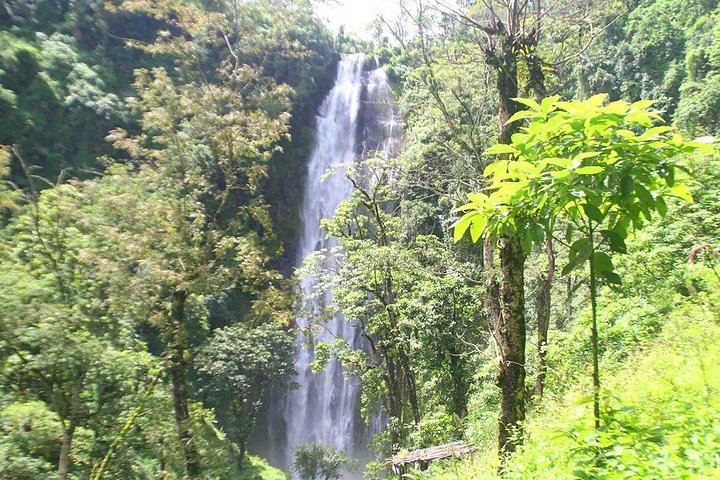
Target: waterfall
325 406
381 123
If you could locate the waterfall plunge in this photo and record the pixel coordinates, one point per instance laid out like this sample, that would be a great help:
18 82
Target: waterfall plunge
325 408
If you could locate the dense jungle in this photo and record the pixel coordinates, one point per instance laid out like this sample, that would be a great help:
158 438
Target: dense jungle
239 242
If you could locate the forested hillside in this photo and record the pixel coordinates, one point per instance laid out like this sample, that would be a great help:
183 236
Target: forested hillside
527 258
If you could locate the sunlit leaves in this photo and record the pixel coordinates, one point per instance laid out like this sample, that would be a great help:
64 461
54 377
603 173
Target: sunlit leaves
592 163
529 103
501 148
616 178
681 191
8 196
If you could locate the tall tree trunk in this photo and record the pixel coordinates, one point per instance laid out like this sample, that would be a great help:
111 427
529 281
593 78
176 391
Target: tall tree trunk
68 430
569 291
511 335
178 371
65 446
409 377
394 400
594 334
536 85
507 310
459 381
543 318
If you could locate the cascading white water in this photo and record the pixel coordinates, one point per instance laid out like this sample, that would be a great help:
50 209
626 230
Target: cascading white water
381 134
324 408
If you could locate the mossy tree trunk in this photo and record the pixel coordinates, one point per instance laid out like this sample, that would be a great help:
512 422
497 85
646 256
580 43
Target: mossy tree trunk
508 308
178 350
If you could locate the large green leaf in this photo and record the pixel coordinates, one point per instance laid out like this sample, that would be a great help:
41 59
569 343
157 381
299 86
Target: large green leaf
477 228
580 249
461 226
589 170
529 103
602 262
682 191
661 206
593 212
626 186
614 240
522 114
501 148
644 195
611 277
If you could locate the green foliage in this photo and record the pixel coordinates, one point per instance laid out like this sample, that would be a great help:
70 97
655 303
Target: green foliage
236 367
582 161
437 428
659 414
29 441
664 426
56 102
320 462
600 168
255 468
8 195
63 353
111 284
199 188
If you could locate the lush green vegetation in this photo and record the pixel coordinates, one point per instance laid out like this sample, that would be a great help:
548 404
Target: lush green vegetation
536 272
139 257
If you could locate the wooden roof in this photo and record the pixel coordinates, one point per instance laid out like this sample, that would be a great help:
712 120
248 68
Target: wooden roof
425 455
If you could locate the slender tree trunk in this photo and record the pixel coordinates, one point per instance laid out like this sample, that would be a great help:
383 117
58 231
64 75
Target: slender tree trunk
410 384
65 446
243 440
394 397
569 292
594 336
68 430
129 423
506 65
178 372
459 382
543 318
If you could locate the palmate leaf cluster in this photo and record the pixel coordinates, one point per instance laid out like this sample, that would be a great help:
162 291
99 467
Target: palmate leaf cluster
587 163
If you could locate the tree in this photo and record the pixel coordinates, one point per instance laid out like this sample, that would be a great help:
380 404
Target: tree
410 297
320 462
237 366
506 39
507 36
8 196
59 344
57 104
368 277
603 169
206 138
